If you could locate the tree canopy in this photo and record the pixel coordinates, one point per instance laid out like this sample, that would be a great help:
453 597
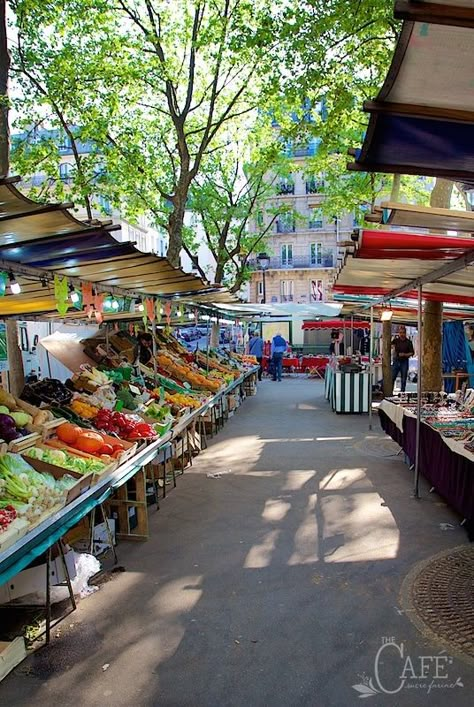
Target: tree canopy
160 90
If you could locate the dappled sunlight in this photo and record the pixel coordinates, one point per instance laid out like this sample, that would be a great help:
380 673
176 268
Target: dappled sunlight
365 529
297 478
306 537
306 406
246 449
332 439
260 555
178 596
305 439
275 509
339 479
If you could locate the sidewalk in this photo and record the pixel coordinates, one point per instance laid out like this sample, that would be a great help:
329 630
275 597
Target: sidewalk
273 585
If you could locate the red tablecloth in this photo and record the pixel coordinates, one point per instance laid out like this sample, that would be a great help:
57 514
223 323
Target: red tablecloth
314 362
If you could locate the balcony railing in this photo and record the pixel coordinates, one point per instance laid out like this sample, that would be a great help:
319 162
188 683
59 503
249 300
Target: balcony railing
314 224
327 260
286 298
285 226
314 186
285 188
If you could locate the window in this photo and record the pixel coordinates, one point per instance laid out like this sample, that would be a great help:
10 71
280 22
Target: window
259 290
259 219
286 252
316 220
64 142
286 290
314 185
316 253
286 186
65 172
104 204
316 291
285 223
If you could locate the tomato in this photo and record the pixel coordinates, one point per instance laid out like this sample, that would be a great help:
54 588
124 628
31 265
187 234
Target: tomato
69 433
106 449
117 446
89 442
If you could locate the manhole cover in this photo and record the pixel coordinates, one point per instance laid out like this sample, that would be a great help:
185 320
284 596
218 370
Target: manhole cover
378 447
438 595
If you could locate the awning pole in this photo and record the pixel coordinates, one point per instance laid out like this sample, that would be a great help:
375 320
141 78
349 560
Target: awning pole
370 364
155 363
352 334
416 490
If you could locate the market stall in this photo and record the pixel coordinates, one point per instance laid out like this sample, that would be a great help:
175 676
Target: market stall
347 385
446 456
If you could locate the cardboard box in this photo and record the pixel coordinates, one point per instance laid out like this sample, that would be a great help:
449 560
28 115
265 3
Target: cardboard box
33 579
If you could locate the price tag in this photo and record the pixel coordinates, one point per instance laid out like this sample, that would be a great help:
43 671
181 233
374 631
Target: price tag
134 390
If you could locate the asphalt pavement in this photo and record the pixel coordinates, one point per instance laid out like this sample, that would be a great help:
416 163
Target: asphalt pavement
271 578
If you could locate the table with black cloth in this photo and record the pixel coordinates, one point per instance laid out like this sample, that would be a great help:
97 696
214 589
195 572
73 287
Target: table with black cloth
450 473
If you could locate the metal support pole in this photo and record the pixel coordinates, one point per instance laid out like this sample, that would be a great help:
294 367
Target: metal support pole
352 334
264 287
416 490
371 364
155 363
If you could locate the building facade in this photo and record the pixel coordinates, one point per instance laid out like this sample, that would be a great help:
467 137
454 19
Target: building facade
302 244
146 236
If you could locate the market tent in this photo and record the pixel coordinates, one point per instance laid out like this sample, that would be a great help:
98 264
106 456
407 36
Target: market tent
451 12
403 310
422 121
38 241
415 216
335 324
390 259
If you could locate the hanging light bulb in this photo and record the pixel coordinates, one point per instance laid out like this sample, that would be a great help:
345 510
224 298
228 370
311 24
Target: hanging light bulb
73 295
44 282
15 286
139 304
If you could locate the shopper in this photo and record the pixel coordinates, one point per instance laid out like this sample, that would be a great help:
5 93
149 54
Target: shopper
278 349
256 349
402 348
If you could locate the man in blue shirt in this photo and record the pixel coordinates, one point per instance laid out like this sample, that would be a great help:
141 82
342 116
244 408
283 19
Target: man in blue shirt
278 349
256 349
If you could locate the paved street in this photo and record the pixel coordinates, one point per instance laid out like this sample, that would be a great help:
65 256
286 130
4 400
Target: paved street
273 585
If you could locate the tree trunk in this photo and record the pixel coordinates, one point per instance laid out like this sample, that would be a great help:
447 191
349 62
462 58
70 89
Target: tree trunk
395 194
16 375
432 346
4 68
215 335
432 354
175 234
386 358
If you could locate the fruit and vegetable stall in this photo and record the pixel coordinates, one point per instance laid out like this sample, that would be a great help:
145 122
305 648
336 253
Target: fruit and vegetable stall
70 447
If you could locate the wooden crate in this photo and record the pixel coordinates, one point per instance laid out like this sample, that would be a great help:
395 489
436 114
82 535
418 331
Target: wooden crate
128 508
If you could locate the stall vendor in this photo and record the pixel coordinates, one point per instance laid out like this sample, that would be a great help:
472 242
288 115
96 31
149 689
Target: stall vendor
402 348
144 349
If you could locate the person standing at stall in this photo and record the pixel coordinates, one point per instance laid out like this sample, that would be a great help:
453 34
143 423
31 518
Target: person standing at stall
278 349
256 349
402 348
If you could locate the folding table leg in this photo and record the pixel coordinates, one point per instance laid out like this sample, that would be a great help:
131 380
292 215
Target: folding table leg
48 596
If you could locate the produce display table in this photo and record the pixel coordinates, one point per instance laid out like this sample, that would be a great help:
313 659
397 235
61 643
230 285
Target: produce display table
347 392
40 538
447 466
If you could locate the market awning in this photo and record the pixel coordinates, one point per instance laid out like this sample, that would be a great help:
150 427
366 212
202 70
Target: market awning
38 241
422 121
414 216
449 12
335 324
383 261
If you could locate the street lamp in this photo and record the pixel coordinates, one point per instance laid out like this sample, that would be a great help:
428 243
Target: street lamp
263 261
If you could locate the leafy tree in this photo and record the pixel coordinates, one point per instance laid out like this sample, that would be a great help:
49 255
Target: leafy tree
233 197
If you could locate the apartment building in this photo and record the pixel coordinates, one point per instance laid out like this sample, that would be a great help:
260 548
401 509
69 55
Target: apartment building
147 237
302 245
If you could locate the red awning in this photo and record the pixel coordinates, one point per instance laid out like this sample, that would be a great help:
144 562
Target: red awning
382 262
335 324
